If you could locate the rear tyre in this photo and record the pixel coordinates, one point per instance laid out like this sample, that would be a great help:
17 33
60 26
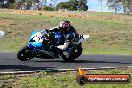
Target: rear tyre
76 53
23 54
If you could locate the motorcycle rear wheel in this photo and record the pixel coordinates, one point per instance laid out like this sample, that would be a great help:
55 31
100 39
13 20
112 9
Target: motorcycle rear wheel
76 53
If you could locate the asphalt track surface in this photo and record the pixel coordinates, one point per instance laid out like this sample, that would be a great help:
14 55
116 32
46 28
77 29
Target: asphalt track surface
10 63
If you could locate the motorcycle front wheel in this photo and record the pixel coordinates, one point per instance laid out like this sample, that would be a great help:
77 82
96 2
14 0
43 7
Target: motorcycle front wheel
23 54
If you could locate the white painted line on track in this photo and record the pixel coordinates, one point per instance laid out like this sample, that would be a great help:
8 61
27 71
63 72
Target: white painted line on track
59 70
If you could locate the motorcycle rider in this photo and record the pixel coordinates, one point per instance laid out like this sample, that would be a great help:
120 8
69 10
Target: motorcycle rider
70 34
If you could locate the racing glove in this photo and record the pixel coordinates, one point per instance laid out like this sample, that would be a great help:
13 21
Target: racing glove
53 29
64 46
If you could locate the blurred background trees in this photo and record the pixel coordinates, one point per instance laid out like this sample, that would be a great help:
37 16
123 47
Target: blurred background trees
124 6
73 5
120 5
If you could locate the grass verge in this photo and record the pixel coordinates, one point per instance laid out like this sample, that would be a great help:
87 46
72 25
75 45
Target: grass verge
59 80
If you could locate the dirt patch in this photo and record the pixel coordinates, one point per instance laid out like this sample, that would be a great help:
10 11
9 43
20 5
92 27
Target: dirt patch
84 15
6 21
54 13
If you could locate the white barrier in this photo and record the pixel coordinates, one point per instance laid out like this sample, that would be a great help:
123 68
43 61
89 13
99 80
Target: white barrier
1 34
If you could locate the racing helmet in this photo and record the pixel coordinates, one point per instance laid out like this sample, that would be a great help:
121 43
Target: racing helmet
64 25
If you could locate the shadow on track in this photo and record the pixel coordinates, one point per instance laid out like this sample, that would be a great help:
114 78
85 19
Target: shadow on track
23 68
82 61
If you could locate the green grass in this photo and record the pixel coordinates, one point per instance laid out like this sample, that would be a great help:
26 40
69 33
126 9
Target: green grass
106 36
59 80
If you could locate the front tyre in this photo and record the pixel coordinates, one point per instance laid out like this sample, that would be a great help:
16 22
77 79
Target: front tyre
23 54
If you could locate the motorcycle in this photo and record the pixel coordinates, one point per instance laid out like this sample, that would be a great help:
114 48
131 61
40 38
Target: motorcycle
39 46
